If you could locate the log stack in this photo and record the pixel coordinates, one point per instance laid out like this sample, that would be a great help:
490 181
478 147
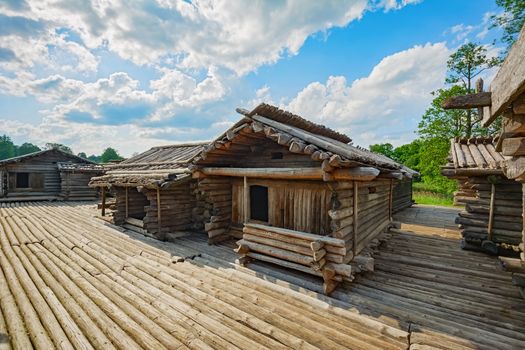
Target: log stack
319 255
215 195
493 215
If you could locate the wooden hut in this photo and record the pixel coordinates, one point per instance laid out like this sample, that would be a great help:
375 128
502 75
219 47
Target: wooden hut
493 203
42 175
298 194
153 191
506 98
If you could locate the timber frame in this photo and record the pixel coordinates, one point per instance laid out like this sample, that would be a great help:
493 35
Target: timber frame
153 191
491 220
507 99
325 201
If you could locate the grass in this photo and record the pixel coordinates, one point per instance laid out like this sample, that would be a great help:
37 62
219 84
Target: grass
429 196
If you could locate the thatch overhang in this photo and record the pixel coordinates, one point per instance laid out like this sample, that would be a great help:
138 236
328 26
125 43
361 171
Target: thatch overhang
475 156
158 167
300 136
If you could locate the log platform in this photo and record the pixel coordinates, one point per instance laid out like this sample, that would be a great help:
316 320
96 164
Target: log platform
70 280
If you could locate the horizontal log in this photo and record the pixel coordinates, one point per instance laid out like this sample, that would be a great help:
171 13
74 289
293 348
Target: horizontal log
297 234
480 99
355 173
277 252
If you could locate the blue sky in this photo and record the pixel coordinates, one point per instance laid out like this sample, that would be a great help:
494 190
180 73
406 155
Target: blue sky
157 72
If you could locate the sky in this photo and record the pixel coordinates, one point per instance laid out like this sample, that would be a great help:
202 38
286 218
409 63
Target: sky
136 74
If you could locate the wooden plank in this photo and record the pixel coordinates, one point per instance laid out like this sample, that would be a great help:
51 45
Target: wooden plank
513 146
509 82
480 99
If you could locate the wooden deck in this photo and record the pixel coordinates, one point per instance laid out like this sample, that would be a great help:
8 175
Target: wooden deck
67 280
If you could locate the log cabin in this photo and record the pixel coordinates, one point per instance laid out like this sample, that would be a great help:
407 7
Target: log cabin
505 98
296 194
46 175
403 190
493 203
153 191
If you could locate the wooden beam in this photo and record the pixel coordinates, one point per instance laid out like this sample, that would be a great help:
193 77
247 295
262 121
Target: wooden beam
509 83
491 211
159 219
513 146
103 201
480 99
356 216
246 199
127 202
355 173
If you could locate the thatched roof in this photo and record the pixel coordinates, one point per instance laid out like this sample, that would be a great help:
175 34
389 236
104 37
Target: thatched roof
24 157
158 166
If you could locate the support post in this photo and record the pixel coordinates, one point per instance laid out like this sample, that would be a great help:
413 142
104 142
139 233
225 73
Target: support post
127 202
491 212
522 254
356 196
161 236
246 198
391 200
103 201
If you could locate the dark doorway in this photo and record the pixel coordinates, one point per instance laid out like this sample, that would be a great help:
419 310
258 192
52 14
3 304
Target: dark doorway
22 180
259 203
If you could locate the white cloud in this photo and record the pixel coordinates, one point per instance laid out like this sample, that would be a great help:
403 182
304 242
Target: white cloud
196 35
386 102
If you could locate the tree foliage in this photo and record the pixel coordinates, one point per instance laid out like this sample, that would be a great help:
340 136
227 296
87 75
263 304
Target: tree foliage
59 146
7 147
511 20
27 148
110 154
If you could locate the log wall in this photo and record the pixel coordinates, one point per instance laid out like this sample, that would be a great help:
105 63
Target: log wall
44 166
214 206
402 196
176 205
372 210
475 221
74 186
137 203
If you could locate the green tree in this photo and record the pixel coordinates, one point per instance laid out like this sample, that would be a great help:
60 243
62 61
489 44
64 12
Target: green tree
59 146
27 148
383 148
409 154
468 62
110 154
511 20
94 158
82 155
7 147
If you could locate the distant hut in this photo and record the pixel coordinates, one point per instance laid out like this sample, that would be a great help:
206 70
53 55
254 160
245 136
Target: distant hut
46 175
153 190
297 193
493 203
